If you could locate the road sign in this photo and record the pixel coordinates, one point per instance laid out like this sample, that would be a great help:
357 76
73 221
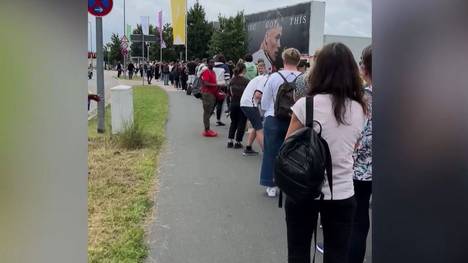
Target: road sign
139 38
124 39
124 45
100 7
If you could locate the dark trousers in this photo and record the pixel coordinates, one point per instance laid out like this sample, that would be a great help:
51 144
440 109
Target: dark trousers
301 221
183 83
238 122
362 193
219 109
119 72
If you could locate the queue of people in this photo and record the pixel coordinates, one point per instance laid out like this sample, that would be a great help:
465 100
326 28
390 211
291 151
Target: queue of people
339 92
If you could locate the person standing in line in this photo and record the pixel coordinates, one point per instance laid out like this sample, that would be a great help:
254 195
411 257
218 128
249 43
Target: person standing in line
165 73
209 90
141 70
191 71
238 120
223 76
176 75
157 72
130 69
119 70
275 128
150 73
183 76
171 73
363 170
249 104
339 107
250 67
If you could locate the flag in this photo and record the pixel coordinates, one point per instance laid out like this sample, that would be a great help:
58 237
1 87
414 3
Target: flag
128 31
179 10
145 24
163 45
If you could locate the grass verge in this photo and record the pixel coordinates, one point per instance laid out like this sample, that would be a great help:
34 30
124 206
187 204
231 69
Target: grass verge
122 181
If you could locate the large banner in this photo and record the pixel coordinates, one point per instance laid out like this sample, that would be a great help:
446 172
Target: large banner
273 31
179 10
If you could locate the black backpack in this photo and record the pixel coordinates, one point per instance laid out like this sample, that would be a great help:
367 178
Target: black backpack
196 88
303 162
285 98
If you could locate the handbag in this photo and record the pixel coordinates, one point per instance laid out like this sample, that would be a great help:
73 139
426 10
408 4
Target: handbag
220 96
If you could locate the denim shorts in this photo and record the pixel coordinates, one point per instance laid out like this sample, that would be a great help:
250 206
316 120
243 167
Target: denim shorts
253 115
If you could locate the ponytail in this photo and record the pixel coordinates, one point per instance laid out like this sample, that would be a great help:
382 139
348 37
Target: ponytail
240 68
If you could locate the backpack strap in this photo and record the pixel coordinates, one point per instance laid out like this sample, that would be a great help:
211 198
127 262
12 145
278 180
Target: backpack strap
328 166
309 112
285 80
280 199
310 123
298 76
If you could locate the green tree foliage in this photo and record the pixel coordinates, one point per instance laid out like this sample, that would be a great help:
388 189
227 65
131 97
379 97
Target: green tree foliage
230 38
170 53
199 32
115 55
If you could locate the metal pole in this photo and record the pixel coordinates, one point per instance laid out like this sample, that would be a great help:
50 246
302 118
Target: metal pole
142 51
100 76
125 34
186 28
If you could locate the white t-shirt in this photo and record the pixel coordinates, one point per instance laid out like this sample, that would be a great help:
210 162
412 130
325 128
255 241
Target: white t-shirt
341 140
255 84
219 76
271 89
260 54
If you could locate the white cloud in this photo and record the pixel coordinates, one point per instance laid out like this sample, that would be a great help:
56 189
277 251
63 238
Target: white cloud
342 17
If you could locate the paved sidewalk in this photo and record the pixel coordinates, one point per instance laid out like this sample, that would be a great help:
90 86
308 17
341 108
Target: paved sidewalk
210 207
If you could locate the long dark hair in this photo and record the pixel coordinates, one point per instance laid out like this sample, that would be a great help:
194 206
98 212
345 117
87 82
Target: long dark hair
240 67
336 73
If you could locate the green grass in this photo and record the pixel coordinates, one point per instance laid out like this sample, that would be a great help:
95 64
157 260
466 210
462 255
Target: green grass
122 182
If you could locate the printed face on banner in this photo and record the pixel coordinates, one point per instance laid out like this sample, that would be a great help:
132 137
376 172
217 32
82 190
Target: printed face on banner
271 32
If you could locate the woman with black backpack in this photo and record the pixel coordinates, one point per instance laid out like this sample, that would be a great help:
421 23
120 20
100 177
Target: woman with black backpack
339 108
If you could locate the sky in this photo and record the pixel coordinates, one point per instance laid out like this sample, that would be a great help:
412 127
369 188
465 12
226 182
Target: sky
342 17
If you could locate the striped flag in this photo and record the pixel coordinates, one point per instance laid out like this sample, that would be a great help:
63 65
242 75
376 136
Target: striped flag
160 21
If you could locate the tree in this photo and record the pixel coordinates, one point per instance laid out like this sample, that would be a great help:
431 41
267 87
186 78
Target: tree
231 38
199 32
115 54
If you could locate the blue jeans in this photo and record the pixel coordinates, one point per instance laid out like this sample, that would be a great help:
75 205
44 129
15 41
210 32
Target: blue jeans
166 78
274 133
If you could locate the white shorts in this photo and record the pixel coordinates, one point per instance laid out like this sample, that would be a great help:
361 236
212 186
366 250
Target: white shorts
191 79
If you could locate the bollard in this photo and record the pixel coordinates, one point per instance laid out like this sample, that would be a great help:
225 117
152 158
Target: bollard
121 108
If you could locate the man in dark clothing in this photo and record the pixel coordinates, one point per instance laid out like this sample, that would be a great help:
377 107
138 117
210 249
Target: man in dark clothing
165 73
141 70
130 69
119 70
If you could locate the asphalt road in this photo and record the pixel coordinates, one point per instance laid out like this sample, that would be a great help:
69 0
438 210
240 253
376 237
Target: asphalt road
210 206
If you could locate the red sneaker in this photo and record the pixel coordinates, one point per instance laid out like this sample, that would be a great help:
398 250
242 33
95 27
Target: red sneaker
210 133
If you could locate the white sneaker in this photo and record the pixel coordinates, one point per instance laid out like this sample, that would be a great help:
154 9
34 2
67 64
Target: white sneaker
271 191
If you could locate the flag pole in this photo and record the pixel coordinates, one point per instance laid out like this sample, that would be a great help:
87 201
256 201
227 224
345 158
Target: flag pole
186 39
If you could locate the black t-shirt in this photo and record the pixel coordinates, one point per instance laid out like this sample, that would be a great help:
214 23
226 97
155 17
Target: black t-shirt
131 67
191 66
237 86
